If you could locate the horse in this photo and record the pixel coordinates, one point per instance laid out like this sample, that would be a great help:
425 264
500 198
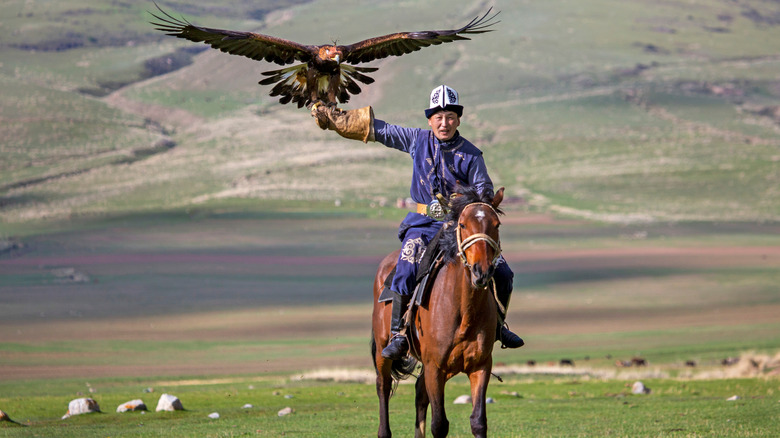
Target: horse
453 331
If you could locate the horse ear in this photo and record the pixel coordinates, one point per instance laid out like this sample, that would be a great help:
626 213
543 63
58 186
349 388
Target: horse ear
498 197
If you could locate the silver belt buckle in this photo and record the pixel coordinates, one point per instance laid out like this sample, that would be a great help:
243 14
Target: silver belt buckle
436 211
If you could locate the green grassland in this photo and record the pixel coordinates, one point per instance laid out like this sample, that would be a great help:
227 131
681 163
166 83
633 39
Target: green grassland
556 406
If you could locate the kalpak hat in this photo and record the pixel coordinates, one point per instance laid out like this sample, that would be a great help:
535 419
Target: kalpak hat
443 98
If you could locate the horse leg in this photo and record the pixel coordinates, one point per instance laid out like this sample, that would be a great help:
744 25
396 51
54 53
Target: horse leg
434 385
421 402
384 387
479 383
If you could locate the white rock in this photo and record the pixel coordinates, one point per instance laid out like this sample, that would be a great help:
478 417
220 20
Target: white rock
639 388
81 406
5 417
286 411
462 400
489 400
247 406
214 415
169 403
733 398
132 405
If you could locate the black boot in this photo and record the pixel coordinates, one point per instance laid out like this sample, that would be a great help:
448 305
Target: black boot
503 334
509 339
398 345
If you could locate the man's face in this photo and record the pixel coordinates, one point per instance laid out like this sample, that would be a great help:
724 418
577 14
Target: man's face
444 124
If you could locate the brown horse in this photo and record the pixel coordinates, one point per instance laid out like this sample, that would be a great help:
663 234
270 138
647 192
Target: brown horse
454 330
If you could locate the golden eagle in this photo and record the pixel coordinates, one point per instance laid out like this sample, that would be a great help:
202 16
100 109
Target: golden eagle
328 71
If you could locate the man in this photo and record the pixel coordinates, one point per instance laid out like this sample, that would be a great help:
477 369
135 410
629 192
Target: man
441 160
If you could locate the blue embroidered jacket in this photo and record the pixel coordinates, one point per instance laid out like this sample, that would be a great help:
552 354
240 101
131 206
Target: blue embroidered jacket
438 167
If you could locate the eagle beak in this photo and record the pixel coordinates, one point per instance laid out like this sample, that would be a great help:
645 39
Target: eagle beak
337 58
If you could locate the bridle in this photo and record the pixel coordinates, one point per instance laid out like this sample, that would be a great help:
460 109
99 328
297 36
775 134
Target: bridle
463 245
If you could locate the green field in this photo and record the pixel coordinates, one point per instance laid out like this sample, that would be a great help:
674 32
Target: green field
555 406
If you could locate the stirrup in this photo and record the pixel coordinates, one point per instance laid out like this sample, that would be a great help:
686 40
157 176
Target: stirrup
396 349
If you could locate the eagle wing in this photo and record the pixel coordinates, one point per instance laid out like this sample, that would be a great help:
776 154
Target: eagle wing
252 45
401 43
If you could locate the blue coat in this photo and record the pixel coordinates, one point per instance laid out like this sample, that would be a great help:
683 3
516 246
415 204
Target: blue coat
437 167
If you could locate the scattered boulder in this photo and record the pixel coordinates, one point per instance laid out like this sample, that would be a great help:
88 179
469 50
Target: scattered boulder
169 403
286 411
70 275
81 406
639 388
247 406
462 400
752 365
214 415
733 398
132 405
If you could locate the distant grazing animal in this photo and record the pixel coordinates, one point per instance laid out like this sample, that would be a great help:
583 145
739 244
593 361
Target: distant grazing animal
327 73
690 363
638 361
453 331
567 363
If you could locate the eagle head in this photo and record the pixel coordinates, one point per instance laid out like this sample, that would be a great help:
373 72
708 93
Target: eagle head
330 54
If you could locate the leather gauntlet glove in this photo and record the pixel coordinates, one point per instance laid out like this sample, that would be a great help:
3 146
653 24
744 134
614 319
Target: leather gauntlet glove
355 124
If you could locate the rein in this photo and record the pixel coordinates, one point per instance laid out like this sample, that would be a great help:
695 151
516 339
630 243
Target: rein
463 245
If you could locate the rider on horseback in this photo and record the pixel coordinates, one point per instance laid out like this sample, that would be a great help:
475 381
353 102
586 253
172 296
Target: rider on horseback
442 160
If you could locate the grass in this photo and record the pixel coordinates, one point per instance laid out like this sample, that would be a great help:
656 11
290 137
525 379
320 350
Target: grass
562 406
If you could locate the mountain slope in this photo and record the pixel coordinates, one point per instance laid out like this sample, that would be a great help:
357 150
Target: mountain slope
612 110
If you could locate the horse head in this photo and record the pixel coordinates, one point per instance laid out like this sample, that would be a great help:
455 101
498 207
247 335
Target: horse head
478 242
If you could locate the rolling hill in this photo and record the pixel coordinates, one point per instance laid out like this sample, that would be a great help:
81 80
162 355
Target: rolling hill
620 111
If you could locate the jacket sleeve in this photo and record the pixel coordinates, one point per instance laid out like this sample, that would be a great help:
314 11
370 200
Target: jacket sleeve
479 178
396 137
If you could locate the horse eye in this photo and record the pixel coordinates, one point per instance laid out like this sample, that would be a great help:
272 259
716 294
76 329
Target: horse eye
462 225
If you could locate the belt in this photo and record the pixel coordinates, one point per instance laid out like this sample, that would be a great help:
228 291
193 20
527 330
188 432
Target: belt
434 210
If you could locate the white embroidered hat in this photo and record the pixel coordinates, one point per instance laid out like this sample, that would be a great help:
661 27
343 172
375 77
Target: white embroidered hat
443 98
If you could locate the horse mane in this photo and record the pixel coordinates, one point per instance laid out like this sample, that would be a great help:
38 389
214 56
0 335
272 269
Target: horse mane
462 197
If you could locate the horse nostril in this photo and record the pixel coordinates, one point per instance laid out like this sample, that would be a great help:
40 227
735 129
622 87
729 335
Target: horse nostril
479 277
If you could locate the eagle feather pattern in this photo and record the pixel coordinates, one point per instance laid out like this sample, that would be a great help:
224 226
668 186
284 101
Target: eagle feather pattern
327 73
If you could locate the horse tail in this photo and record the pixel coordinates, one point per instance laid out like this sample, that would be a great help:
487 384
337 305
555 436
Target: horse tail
400 369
